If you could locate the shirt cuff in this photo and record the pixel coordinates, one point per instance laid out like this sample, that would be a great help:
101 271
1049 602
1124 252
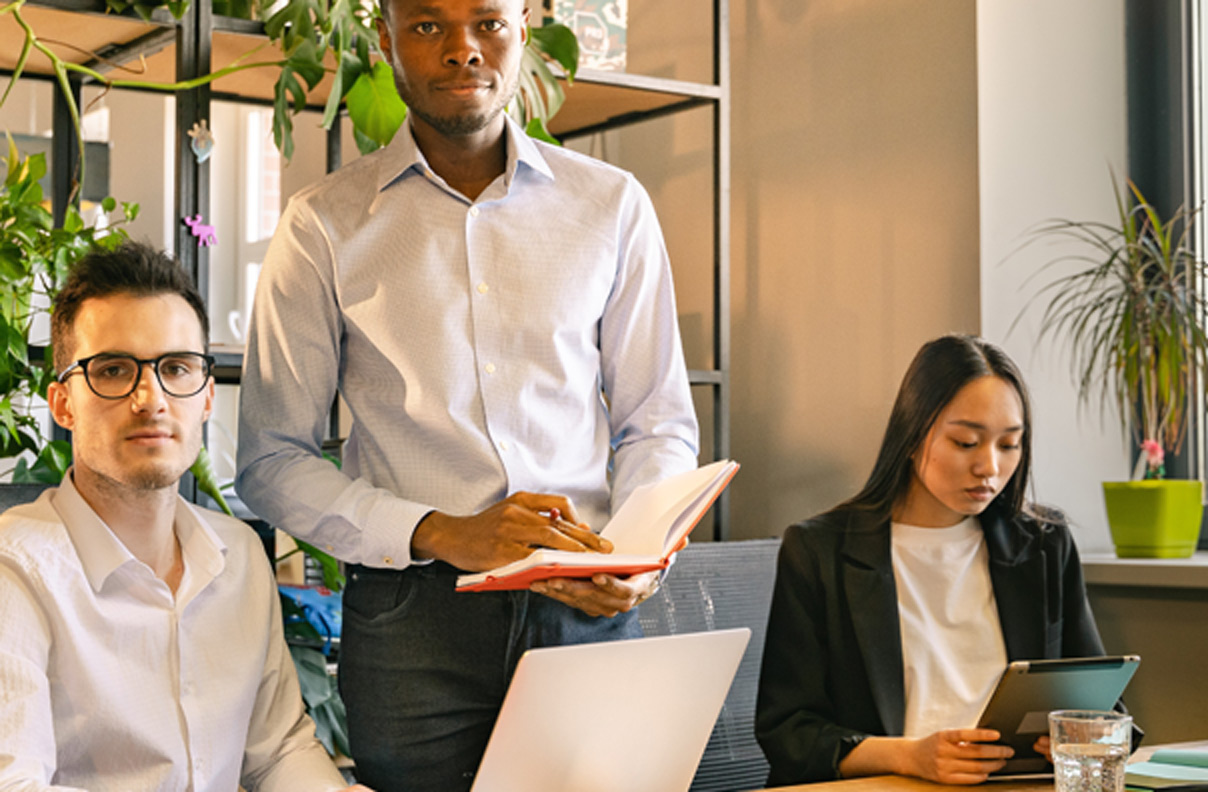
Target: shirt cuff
386 541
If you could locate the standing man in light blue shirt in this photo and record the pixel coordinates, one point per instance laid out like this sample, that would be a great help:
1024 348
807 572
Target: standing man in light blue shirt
498 315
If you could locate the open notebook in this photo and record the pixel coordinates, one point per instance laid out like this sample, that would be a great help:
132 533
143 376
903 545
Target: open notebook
648 528
625 715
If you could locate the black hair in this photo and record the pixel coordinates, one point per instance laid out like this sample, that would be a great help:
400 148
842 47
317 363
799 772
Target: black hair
937 373
132 268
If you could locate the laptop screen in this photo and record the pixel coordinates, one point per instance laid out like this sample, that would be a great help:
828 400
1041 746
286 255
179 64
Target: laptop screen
625 715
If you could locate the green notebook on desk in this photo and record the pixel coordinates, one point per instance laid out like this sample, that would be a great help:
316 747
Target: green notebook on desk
1170 769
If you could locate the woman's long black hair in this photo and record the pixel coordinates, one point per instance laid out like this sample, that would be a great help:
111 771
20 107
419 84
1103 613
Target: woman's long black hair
937 373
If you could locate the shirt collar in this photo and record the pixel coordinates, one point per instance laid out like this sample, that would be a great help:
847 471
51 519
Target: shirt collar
102 553
402 155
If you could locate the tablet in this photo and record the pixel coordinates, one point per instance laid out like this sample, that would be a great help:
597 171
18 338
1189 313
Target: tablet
1030 689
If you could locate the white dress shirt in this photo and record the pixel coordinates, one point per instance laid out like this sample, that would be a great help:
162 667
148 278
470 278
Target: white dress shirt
953 651
109 682
483 348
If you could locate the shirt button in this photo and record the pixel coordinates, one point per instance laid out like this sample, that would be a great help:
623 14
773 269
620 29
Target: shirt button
473 211
503 445
483 288
490 368
329 548
387 560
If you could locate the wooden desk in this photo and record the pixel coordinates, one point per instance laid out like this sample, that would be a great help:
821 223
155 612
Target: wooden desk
900 784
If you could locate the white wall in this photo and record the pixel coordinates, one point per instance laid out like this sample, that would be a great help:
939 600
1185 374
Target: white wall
141 160
1051 120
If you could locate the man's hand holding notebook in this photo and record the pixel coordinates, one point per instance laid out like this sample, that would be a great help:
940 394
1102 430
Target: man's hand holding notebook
644 533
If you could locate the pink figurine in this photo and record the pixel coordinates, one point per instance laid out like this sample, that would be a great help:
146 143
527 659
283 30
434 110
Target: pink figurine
204 233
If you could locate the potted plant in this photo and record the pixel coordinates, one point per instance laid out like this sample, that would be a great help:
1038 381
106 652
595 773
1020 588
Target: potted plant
1133 317
35 258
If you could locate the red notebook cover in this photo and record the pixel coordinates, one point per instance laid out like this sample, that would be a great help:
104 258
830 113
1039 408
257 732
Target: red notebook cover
522 580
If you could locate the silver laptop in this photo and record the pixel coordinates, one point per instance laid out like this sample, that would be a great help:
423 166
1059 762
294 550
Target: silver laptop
625 715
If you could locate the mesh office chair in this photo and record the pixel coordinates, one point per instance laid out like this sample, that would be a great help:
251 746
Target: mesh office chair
718 586
16 494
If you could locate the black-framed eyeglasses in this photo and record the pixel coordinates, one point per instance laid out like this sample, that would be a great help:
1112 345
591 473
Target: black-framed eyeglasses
115 376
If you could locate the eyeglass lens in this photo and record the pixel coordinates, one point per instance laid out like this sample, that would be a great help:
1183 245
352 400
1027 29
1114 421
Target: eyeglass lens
180 374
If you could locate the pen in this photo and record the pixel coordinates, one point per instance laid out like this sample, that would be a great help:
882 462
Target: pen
555 519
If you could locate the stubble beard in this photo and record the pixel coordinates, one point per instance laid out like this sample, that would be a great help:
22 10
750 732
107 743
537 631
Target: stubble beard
149 478
147 475
466 123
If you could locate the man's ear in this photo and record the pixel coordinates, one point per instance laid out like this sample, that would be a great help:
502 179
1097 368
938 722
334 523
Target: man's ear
58 396
209 401
384 41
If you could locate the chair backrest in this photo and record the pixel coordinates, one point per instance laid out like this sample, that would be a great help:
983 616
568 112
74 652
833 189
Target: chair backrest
716 586
16 494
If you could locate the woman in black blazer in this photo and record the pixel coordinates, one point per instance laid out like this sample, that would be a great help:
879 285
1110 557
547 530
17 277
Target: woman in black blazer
862 634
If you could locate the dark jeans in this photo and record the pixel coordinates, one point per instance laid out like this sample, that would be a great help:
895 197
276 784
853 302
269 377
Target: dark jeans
423 669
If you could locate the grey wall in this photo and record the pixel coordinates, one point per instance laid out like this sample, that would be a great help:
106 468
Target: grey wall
855 225
1168 627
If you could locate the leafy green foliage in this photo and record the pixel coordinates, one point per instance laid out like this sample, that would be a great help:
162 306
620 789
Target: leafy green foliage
374 106
313 34
207 479
48 468
241 9
289 97
1132 315
35 259
557 43
541 96
536 129
333 578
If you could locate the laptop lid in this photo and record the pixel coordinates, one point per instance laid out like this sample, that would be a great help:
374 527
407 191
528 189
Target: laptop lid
624 715
1029 689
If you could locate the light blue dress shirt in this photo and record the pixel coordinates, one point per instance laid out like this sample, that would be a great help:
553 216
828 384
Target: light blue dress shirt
523 341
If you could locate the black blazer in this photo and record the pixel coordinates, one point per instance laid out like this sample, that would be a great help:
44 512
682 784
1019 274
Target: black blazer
832 665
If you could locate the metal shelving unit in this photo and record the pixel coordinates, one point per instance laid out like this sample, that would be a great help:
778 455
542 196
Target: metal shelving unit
168 50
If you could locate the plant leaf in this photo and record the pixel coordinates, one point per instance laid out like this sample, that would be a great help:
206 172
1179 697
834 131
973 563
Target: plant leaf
536 129
49 467
207 480
293 24
374 105
333 578
558 42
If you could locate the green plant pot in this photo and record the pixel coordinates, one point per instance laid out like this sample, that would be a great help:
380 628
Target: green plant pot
1154 519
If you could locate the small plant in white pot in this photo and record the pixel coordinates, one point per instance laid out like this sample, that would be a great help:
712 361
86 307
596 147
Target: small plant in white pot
1133 319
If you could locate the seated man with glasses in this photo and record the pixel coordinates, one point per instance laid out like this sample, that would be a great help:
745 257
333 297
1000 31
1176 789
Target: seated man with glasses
140 637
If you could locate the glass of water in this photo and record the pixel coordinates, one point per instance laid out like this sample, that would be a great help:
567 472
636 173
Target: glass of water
1090 749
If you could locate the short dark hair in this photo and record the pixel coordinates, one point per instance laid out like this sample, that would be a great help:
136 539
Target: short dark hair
132 268
937 373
